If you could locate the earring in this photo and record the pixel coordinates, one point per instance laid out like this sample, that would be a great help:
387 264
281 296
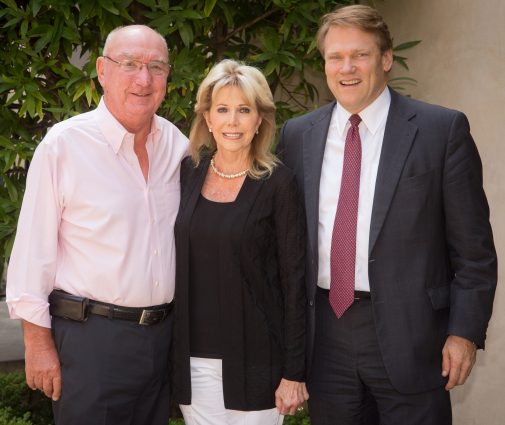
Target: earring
257 131
210 130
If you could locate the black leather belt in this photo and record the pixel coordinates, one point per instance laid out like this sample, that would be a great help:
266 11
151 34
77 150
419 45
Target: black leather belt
362 295
143 316
68 306
358 295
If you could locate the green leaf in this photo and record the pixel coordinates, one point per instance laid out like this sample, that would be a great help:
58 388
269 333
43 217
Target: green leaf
106 4
79 92
43 41
30 105
40 30
181 111
38 110
89 93
13 22
9 157
186 34
270 67
312 46
36 5
24 28
11 4
271 40
8 245
85 8
209 7
227 13
6 143
11 189
407 45
7 87
191 14
401 61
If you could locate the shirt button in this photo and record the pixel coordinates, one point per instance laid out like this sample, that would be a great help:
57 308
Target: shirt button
155 252
156 283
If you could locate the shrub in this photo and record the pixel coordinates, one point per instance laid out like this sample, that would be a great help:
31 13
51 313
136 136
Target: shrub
16 399
7 418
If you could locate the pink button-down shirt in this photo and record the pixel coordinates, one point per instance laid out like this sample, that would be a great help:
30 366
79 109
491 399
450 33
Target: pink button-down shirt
90 224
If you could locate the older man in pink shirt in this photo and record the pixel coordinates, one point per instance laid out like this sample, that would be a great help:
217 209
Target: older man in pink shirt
93 265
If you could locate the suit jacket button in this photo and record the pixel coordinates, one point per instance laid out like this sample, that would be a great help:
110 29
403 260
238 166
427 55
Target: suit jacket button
311 303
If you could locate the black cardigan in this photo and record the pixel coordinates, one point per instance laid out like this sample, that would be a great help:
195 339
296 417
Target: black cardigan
262 290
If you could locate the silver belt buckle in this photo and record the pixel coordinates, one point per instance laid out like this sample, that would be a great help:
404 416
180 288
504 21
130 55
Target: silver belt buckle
150 317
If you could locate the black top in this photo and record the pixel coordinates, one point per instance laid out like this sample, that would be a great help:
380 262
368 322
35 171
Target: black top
261 288
207 227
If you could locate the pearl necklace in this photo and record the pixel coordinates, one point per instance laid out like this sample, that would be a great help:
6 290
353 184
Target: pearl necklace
224 175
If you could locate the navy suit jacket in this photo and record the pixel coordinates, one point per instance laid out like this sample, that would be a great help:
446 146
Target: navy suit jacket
432 261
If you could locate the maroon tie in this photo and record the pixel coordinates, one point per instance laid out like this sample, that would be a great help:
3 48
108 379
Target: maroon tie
343 240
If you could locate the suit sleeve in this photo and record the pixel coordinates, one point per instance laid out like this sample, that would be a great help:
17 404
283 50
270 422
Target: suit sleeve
290 239
281 146
469 236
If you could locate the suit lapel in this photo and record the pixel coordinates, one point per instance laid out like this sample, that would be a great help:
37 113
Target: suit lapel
192 192
398 138
314 142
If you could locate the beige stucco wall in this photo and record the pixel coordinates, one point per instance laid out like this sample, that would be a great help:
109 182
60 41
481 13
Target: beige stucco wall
461 64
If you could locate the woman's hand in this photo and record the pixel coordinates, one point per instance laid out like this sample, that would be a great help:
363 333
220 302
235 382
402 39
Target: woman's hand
289 396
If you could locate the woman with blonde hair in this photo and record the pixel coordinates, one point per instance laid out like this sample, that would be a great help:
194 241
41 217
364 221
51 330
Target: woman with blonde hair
239 344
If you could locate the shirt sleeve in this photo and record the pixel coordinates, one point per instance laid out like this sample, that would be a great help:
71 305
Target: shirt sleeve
32 265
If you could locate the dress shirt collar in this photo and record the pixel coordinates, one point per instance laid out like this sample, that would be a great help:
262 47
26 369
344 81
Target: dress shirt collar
113 130
372 116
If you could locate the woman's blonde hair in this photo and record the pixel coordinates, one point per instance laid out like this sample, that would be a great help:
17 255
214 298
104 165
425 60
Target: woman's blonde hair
254 85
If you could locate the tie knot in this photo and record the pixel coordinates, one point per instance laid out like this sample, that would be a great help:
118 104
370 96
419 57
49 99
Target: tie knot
355 119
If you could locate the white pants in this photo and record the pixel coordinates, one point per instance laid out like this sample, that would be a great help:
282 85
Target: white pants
207 402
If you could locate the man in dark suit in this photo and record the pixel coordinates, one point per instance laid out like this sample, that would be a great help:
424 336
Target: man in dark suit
401 265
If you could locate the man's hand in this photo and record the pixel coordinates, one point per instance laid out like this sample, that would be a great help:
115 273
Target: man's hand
289 395
42 366
458 358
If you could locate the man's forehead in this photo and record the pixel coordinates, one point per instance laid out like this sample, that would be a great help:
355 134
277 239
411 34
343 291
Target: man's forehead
137 41
338 47
349 39
138 53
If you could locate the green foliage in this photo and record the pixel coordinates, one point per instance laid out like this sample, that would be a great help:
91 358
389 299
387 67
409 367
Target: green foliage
301 418
174 422
48 51
16 399
402 60
7 418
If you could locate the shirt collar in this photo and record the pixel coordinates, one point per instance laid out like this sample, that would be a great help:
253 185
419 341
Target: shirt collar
372 116
113 130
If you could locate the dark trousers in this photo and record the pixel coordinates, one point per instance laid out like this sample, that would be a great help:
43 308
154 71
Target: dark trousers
348 370
114 372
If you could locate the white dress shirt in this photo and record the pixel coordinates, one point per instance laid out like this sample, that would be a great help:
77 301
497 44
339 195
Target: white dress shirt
371 130
90 224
